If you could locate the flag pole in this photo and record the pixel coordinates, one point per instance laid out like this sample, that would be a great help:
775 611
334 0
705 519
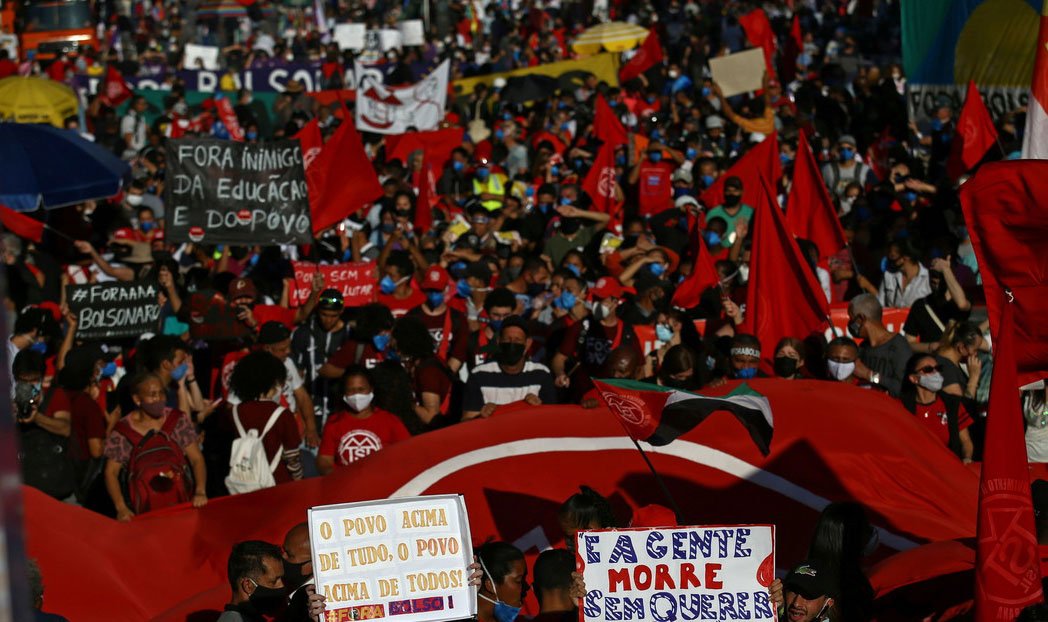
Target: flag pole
58 233
658 479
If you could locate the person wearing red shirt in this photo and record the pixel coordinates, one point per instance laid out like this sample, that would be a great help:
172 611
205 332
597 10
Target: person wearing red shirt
430 377
7 66
361 429
396 290
940 413
653 177
447 326
71 399
243 297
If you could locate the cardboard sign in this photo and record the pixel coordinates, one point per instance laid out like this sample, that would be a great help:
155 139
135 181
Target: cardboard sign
356 281
411 32
112 310
201 57
349 36
683 573
738 73
403 559
211 318
419 107
225 192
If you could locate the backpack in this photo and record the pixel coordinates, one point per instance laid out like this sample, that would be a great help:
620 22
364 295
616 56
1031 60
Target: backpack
249 469
157 473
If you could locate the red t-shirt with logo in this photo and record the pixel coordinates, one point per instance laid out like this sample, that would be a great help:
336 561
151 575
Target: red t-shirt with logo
458 329
400 306
348 438
933 418
655 187
346 355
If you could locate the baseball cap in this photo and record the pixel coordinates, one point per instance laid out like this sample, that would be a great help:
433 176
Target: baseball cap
682 175
241 288
686 200
811 579
609 287
331 300
733 182
273 332
436 278
846 139
124 233
713 121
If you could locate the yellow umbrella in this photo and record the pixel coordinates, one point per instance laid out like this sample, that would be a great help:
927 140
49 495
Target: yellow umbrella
612 36
27 99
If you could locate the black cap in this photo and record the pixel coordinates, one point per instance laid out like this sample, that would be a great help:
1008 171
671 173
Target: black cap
733 182
273 332
331 300
811 579
514 320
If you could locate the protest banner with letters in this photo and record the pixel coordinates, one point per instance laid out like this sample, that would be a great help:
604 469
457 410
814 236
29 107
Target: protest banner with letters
113 310
396 110
569 72
225 192
356 281
680 573
399 558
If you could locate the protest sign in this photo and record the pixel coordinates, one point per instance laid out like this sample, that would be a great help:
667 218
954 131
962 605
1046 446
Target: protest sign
390 110
201 56
411 32
681 573
349 36
212 319
225 192
399 558
738 73
112 310
355 280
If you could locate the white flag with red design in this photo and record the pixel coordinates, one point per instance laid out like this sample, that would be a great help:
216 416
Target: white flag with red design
1035 141
396 110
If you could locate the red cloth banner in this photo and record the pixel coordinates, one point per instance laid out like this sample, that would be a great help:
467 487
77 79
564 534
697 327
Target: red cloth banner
356 281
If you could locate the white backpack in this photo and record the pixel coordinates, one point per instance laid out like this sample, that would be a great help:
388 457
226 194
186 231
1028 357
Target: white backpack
249 470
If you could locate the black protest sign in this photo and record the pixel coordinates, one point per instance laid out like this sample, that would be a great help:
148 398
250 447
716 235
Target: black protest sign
227 192
114 310
211 318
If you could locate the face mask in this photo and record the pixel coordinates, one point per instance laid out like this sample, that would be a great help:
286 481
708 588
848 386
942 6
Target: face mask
179 372
381 342
891 267
663 333
600 311
840 371
847 154
932 382
503 612
706 91
936 124
690 153
358 401
681 192
434 299
388 227
499 134
534 289
566 300
655 156
462 288
574 269
293 577
513 272
746 374
109 369
545 207
252 135
620 160
266 599
657 269
387 285
153 409
910 196
482 174
496 325
744 273
457 166
569 226
554 170
39 346
785 366
134 200
712 238
707 180
509 354
731 200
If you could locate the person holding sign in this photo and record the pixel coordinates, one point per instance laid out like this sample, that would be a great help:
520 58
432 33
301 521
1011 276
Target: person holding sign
809 592
505 582
360 430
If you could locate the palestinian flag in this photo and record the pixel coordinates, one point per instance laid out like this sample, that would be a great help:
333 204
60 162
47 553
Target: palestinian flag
658 415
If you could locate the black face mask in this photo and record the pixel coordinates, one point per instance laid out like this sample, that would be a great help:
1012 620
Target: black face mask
892 267
684 385
569 225
121 251
534 289
731 200
509 354
293 577
785 367
267 599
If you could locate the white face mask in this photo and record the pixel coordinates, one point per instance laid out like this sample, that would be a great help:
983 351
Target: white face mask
134 200
744 273
932 382
358 401
840 371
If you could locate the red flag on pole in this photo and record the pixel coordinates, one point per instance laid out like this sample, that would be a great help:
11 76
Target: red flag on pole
649 55
1007 216
606 126
21 225
976 134
761 160
759 33
703 275
600 184
114 90
427 197
343 177
1007 563
796 35
778 273
809 212
229 117
312 142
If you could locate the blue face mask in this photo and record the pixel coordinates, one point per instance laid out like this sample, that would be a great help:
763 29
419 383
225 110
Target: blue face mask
545 207
39 346
507 116
574 269
252 135
655 156
657 269
565 201
620 160
746 374
381 342
690 153
504 612
457 166
456 269
910 196
388 227
566 300
179 372
146 226
483 174
680 192
712 238
529 191
463 289
847 154
554 170
936 124
784 159
109 369
434 299
708 180
663 333
499 134
496 325
387 285
706 91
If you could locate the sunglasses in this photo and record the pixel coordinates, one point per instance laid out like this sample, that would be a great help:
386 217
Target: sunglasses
330 300
928 369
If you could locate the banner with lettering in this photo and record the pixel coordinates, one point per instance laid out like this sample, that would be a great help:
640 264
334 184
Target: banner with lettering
396 110
396 558
226 192
356 281
113 310
685 573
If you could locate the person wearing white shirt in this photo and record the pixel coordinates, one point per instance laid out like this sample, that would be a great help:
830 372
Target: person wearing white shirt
905 281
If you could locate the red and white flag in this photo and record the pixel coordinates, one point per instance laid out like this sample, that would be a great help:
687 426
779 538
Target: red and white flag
600 184
1035 140
228 116
114 90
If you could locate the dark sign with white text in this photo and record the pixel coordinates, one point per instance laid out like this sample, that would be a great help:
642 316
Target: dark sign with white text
113 310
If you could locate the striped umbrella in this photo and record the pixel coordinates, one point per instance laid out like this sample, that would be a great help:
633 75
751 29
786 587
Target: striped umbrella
612 36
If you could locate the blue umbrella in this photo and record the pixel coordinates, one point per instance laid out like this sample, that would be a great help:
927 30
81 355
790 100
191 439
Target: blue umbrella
44 165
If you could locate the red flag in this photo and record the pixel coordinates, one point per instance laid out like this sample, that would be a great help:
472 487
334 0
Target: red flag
784 298
437 145
21 225
600 183
649 55
796 35
606 126
312 142
427 197
759 33
703 275
809 212
1007 216
114 90
975 134
343 176
1007 564
761 160
228 116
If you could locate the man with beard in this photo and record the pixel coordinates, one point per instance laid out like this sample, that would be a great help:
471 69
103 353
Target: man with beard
929 316
256 576
511 377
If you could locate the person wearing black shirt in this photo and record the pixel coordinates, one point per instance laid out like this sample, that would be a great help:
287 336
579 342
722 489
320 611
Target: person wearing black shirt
929 316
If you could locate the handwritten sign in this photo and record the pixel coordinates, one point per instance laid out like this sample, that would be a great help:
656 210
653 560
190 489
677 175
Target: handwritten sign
356 281
110 310
738 73
225 192
403 559
685 573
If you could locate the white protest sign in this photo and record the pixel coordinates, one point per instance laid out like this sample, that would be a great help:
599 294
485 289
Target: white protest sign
350 36
411 32
680 573
738 73
396 110
201 56
389 39
403 559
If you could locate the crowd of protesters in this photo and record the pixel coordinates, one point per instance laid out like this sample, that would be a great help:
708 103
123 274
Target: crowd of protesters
519 291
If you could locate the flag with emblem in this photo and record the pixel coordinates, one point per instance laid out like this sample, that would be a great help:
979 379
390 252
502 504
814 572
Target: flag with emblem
658 415
600 184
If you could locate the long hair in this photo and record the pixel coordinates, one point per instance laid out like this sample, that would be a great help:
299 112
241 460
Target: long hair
839 542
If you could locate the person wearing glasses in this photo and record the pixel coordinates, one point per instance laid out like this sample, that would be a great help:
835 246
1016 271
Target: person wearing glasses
940 413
